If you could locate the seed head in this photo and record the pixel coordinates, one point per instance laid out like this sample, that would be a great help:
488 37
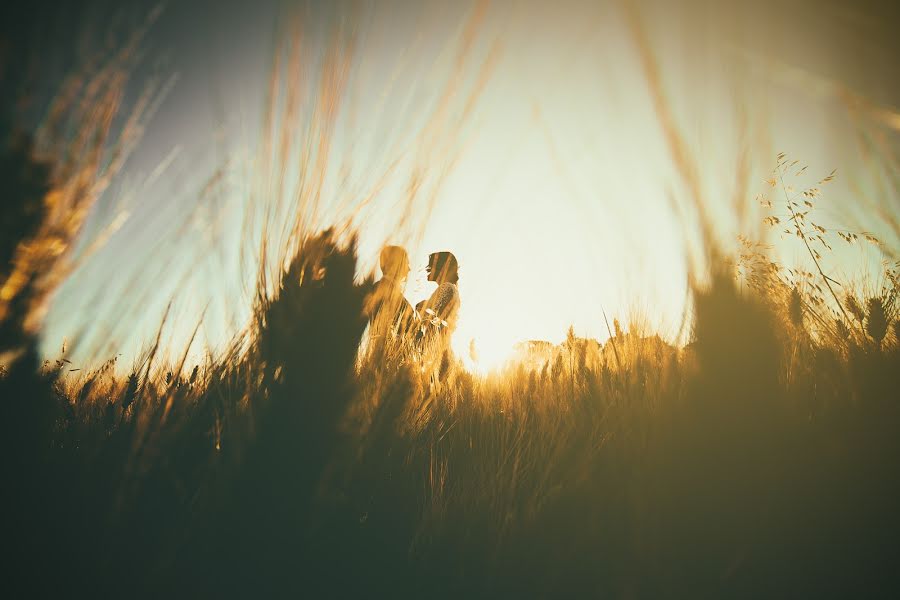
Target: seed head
854 308
131 391
843 331
876 321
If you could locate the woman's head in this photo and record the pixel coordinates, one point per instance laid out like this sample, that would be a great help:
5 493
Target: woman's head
442 266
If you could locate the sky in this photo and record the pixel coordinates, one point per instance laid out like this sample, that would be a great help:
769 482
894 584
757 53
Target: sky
542 155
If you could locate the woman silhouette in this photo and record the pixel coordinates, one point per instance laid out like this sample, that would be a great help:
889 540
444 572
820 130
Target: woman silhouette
440 312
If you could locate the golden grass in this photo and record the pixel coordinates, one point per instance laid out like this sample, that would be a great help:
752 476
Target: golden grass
760 459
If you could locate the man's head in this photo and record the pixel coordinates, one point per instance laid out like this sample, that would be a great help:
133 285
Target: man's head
394 262
442 266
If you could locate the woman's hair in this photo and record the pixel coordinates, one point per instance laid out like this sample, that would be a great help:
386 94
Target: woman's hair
444 265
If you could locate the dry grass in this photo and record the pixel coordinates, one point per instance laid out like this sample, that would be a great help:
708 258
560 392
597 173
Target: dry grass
759 460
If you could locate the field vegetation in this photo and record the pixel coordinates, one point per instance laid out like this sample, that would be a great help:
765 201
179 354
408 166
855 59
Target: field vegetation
759 459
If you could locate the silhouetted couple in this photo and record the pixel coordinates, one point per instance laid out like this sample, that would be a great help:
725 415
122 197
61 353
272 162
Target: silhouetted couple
395 326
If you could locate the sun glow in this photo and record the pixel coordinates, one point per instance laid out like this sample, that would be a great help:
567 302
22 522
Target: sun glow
482 355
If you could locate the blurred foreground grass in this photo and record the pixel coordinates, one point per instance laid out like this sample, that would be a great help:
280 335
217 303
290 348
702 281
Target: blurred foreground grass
763 459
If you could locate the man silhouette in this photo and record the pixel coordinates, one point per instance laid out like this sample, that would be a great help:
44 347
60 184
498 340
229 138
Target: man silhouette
390 315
